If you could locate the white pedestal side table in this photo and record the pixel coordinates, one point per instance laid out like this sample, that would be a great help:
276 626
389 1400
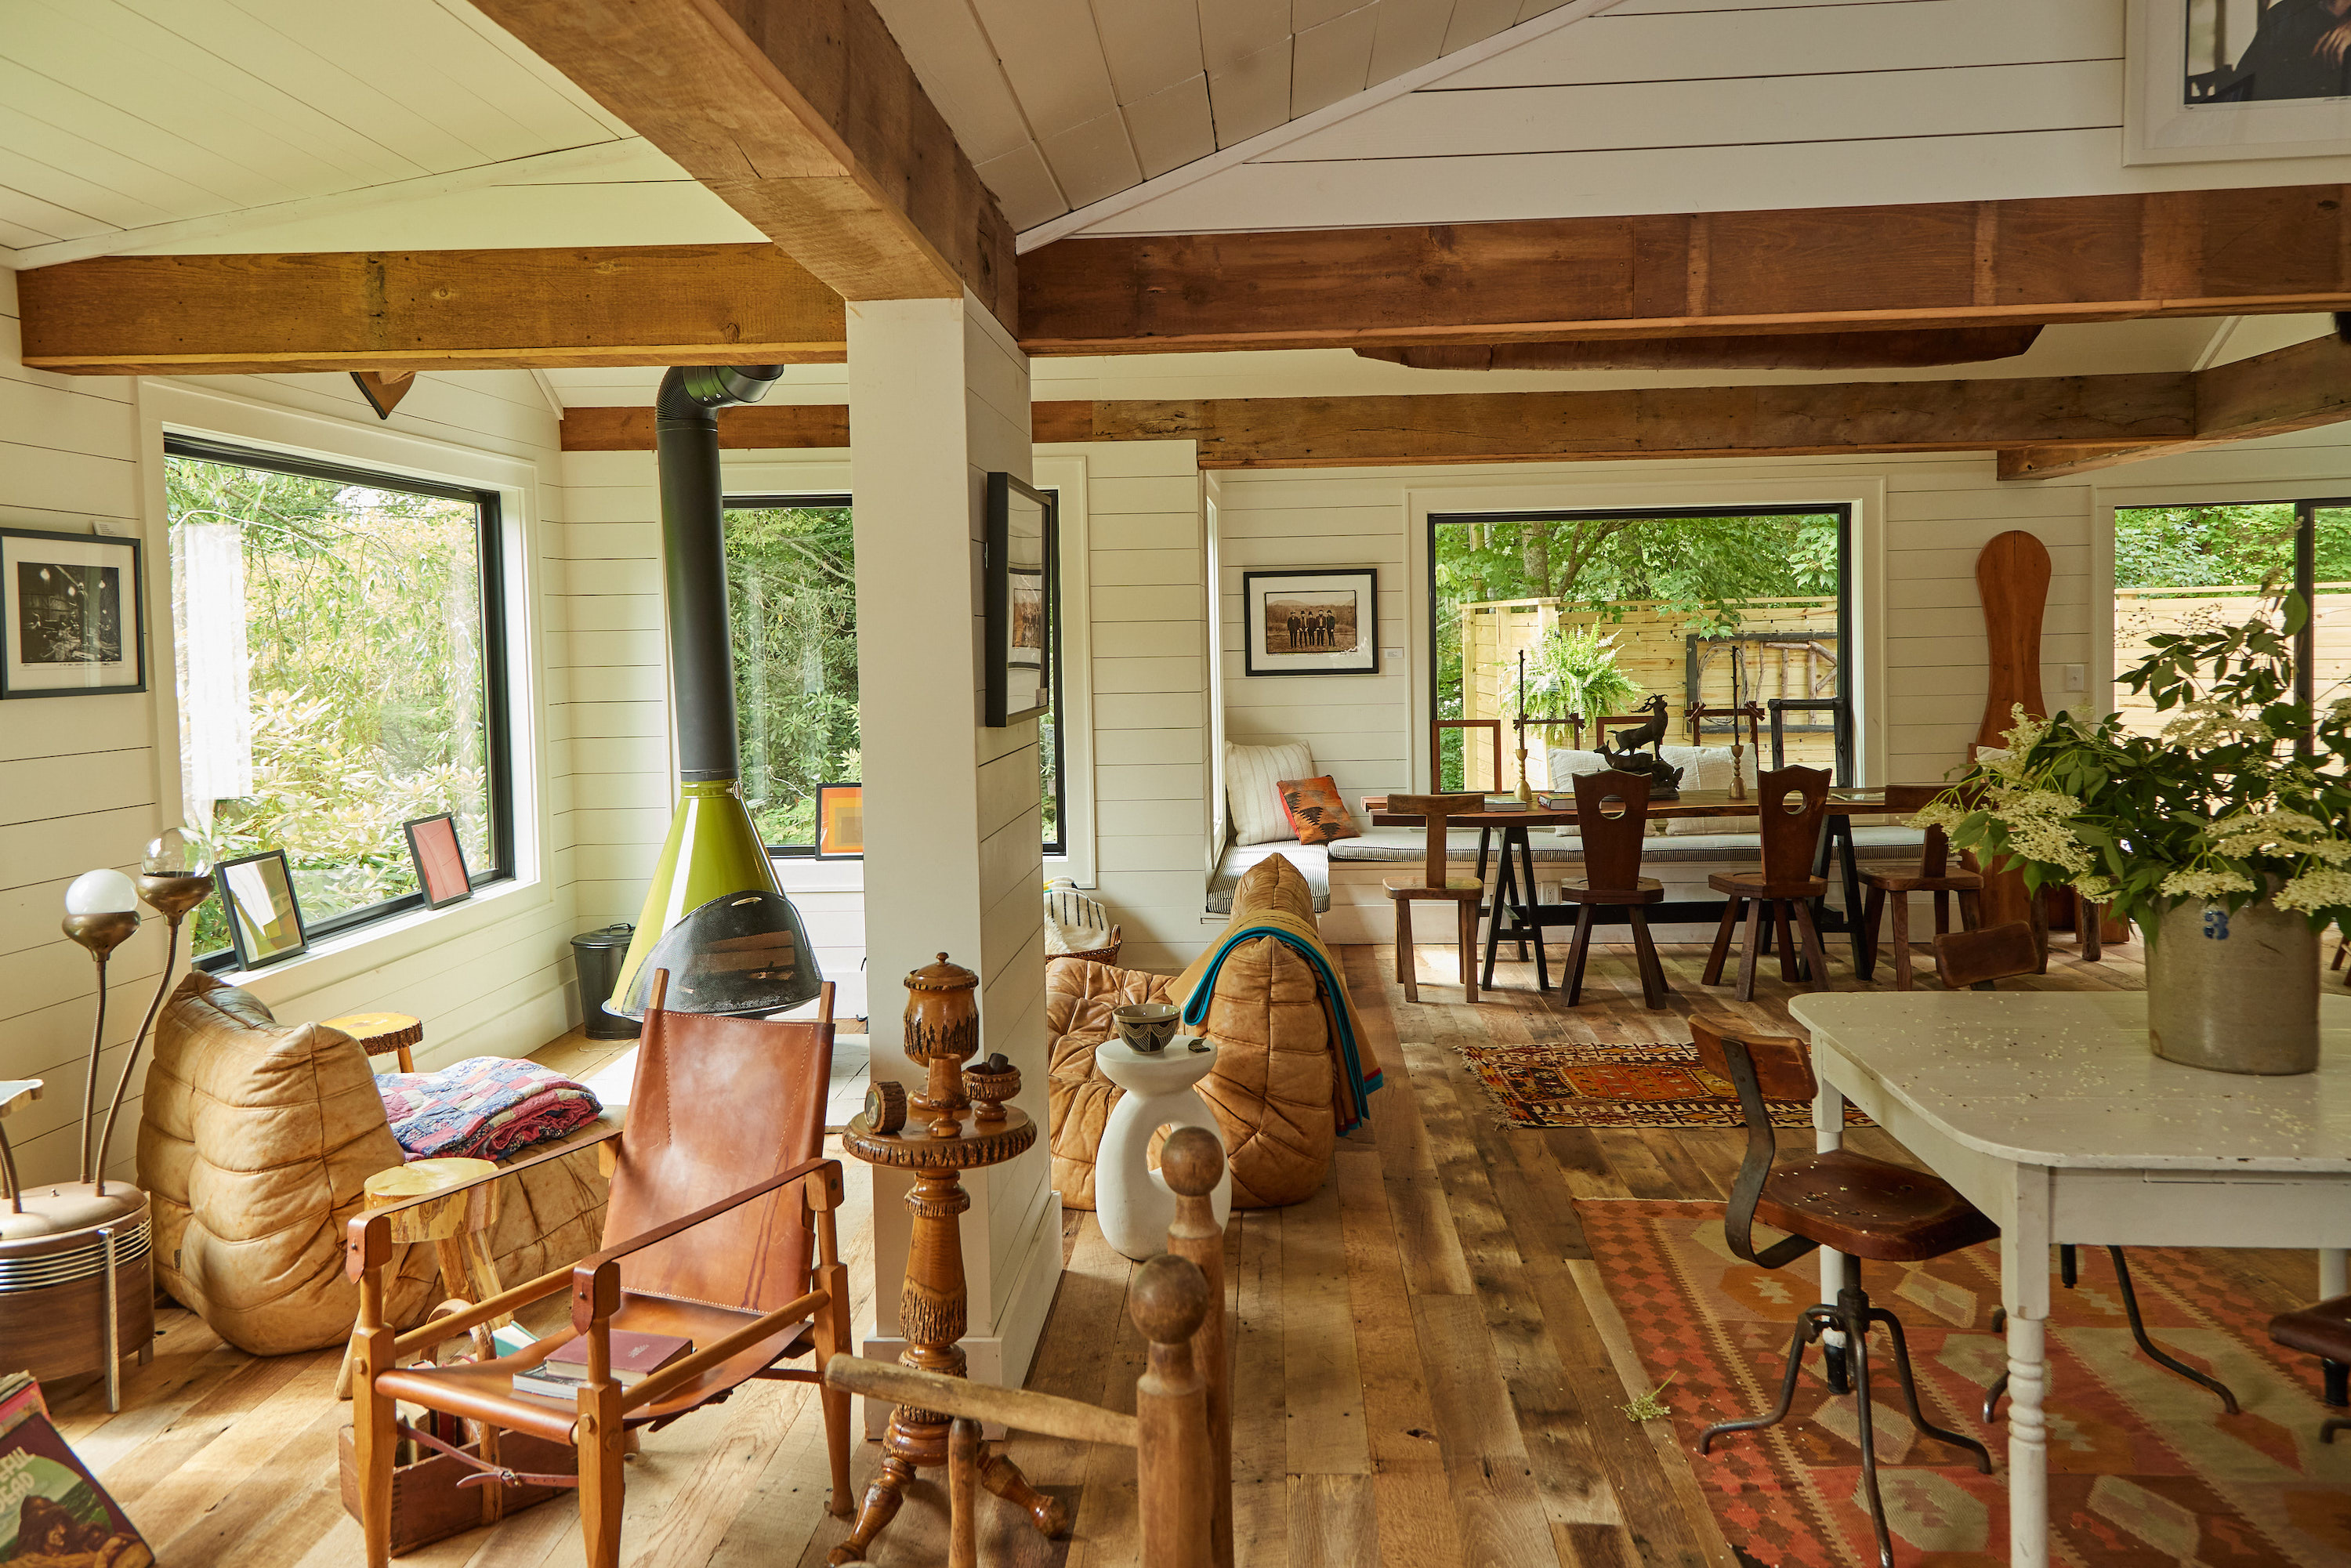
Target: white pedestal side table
1131 1200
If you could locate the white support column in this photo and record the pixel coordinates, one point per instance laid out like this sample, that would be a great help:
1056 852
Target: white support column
938 398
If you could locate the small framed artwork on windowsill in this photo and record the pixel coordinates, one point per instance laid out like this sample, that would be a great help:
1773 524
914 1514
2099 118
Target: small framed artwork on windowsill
441 873
1310 623
265 918
73 615
840 821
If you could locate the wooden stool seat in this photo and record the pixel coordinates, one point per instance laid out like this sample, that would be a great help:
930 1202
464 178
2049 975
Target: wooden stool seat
1919 881
383 1034
1649 891
1869 1209
1753 884
459 1210
1435 882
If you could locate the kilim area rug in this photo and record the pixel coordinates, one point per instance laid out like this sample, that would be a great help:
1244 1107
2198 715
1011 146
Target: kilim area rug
1568 1085
2144 1466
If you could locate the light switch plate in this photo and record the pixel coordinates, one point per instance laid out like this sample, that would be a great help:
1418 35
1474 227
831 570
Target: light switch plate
2076 676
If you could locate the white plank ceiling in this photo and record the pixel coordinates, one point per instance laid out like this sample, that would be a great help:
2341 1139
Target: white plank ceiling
1710 105
174 124
1061 103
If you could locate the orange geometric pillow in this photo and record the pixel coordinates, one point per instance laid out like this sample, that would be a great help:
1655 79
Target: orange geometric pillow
1317 815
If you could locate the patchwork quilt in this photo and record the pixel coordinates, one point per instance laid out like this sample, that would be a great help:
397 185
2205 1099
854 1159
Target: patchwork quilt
484 1108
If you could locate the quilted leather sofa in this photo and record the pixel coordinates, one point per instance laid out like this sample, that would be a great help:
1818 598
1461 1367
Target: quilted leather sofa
1276 1061
253 1139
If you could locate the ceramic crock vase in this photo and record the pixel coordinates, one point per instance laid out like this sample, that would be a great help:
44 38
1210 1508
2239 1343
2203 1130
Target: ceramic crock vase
2234 992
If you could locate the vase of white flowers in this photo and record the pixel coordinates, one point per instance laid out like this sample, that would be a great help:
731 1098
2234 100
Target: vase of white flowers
2221 835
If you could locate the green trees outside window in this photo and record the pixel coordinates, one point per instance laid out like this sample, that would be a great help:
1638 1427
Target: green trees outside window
333 661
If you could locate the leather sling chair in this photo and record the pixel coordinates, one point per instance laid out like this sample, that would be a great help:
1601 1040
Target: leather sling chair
1861 1207
717 1194
1975 960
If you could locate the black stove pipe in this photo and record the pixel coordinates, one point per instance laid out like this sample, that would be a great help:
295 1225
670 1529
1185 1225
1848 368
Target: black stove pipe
693 553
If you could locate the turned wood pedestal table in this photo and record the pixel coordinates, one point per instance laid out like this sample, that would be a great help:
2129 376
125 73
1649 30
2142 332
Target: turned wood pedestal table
937 1147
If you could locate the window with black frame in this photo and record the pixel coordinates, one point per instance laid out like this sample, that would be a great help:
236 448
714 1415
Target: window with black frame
338 643
1604 610
791 596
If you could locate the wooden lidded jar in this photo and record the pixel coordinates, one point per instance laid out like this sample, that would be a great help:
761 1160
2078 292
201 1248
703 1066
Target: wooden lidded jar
942 1030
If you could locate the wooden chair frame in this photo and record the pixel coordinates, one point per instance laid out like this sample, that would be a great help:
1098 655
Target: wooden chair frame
1437 885
1789 839
1613 878
1935 875
605 1408
1436 729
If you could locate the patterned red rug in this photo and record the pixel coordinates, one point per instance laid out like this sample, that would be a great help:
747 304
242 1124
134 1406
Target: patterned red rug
2145 1468
1570 1085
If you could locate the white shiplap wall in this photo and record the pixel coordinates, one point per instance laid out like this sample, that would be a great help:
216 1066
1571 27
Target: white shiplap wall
1724 106
82 778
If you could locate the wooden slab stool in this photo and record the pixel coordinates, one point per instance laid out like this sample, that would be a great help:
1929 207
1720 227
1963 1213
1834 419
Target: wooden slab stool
380 1034
456 1220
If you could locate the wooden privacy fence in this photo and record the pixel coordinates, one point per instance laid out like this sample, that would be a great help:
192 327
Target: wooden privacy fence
2141 614
1786 648
1181 1428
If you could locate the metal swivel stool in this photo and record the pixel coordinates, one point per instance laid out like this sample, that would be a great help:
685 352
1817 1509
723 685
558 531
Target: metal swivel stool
1863 1207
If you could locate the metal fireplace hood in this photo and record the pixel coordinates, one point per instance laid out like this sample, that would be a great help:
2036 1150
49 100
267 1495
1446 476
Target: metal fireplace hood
714 918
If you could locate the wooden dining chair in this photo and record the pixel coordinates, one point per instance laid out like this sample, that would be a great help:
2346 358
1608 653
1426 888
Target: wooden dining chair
1612 875
1935 874
719 1230
1790 802
1978 960
1864 1208
1435 885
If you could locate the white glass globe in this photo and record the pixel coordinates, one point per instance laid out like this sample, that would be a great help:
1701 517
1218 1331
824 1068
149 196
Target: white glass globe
177 851
102 891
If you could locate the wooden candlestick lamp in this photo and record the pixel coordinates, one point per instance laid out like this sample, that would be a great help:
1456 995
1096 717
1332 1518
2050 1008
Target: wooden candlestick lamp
961 1120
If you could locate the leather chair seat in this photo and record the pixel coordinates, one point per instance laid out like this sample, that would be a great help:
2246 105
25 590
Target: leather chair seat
2323 1330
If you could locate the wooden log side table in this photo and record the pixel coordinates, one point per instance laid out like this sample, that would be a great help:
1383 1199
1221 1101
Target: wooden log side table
949 1135
457 1220
380 1034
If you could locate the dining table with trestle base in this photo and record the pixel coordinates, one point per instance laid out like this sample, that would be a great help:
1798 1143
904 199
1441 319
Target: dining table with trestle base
1515 912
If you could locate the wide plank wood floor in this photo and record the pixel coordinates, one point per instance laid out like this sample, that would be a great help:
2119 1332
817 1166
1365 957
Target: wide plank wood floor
1427 1369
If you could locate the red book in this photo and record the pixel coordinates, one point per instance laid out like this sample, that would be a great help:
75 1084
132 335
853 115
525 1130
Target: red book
635 1356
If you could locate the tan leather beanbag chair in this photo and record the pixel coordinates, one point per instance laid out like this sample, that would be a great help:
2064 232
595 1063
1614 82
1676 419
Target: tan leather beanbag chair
254 1140
1272 1088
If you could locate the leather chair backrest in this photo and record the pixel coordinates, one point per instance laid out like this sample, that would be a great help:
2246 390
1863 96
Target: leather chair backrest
718 1104
1612 845
1791 801
1977 958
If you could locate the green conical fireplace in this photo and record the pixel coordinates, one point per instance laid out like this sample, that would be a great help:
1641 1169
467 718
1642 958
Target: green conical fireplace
714 918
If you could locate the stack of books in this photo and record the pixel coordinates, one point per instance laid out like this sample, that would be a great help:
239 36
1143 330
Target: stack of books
635 1357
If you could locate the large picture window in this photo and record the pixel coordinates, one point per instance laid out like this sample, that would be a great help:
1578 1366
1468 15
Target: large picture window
791 595
2182 568
1610 609
337 644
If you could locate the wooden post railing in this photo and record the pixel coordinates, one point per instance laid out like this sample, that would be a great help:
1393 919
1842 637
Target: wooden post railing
1193 1161
1169 1431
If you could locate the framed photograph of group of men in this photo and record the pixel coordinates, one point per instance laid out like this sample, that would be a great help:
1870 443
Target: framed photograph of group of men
1310 623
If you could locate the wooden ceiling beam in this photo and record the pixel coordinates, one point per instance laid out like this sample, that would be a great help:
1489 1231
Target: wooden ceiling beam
1940 265
1470 427
2274 393
803 116
428 310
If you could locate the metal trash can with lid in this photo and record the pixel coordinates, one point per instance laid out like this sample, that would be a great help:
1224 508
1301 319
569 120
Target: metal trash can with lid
597 955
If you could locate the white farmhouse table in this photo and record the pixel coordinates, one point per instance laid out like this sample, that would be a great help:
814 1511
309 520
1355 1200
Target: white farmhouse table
2049 1113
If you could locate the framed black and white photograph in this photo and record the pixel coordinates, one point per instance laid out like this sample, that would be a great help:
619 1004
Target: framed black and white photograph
73 615
2210 80
1310 623
265 919
1019 600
